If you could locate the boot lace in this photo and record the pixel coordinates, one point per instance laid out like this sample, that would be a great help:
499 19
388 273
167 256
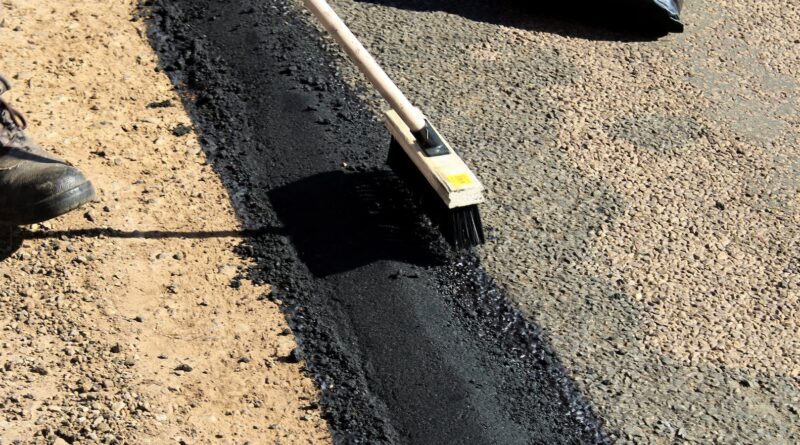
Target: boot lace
11 119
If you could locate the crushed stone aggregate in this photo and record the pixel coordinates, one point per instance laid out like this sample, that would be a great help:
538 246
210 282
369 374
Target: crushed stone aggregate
644 199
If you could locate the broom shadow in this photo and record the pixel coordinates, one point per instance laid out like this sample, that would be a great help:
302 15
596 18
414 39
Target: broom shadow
340 221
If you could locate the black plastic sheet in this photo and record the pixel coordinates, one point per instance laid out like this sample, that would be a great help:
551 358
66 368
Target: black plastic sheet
656 17
646 18
672 9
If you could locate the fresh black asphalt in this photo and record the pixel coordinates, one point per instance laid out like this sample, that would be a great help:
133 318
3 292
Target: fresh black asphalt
408 342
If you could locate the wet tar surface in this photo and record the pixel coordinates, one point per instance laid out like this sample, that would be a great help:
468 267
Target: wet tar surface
407 341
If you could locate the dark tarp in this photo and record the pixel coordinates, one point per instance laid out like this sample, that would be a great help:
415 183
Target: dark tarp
672 9
645 16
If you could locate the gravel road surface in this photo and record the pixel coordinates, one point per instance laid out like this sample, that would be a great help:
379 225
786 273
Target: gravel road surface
643 206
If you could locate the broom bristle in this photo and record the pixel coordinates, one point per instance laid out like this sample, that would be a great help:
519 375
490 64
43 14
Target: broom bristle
467 227
461 226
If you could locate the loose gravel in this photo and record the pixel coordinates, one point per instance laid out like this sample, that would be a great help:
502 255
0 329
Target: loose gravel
644 206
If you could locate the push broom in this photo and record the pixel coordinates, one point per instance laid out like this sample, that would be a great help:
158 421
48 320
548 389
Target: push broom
418 153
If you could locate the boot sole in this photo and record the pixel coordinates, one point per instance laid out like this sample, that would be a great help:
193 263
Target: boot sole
51 207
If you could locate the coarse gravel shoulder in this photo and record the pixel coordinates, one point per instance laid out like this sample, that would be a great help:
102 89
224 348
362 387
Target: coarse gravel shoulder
130 321
644 195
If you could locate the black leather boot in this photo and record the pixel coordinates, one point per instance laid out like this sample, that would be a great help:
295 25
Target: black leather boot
34 185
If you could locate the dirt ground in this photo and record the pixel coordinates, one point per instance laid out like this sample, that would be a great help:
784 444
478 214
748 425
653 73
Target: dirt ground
127 322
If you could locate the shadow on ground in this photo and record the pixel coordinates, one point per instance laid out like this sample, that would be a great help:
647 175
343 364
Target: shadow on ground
13 237
341 221
613 20
10 242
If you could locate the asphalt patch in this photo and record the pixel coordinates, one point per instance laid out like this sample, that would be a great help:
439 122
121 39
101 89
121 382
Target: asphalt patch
407 341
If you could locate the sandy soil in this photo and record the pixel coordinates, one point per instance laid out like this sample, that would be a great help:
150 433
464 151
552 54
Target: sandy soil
126 322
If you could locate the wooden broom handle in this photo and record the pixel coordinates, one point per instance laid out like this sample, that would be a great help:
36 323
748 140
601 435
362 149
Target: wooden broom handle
339 31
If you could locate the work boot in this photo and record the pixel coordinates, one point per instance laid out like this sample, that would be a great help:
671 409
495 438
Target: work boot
34 185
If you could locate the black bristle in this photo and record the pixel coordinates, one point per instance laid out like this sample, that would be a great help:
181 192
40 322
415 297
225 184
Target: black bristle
460 226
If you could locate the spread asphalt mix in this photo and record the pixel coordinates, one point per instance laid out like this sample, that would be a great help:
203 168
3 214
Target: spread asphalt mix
640 283
407 343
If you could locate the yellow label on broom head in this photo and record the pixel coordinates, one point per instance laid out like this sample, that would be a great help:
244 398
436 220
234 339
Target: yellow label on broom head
460 180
